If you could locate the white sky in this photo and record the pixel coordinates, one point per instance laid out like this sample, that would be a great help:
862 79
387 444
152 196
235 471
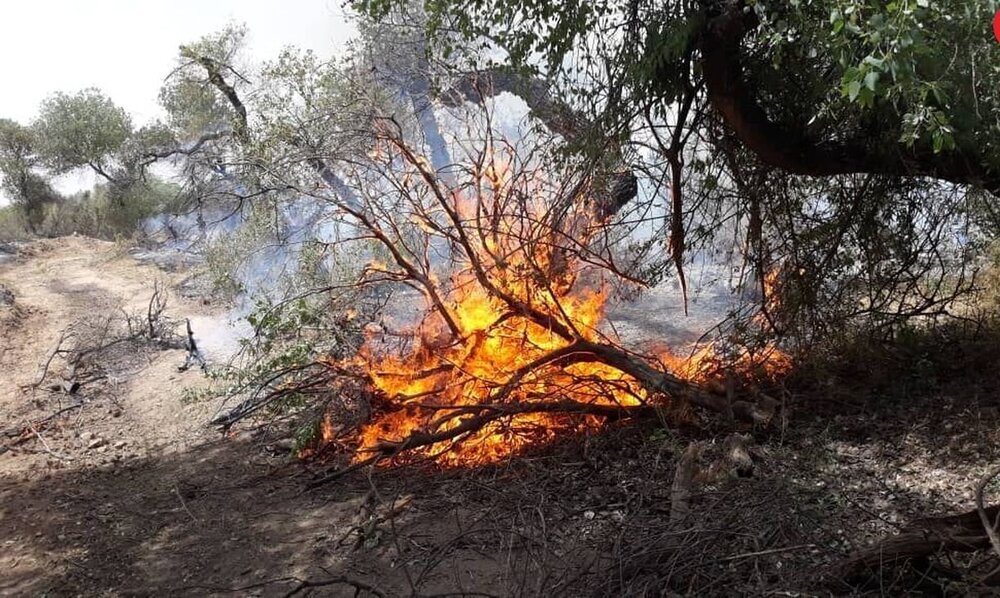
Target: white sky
126 48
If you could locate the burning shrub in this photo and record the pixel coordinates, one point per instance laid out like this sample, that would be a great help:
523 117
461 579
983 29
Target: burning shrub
492 336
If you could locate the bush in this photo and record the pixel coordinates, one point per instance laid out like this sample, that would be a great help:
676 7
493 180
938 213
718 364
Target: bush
13 224
102 213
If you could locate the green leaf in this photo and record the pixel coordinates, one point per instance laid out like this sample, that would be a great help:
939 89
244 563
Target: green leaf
871 79
852 89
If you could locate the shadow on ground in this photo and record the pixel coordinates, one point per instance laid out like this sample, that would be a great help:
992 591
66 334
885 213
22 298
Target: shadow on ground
589 517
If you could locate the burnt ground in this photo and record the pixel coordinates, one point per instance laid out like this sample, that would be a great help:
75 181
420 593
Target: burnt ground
170 507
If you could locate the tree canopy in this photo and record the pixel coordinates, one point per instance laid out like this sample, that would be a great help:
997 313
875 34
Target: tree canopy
813 87
83 129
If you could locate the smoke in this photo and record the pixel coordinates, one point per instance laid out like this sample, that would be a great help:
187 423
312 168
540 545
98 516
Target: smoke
269 268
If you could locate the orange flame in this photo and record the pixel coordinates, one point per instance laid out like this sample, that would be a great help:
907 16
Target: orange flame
444 370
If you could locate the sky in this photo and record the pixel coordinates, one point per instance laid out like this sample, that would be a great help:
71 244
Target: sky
126 48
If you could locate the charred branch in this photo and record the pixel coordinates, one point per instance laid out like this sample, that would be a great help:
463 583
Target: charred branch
194 355
462 420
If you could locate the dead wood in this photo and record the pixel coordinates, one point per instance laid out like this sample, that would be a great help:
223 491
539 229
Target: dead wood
917 542
684 478
194 355
43 370
91 345
460 421
989 523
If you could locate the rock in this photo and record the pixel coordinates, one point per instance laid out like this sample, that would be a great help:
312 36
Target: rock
116 413
96 443
120 444
86 436
285 445
6 296
102 449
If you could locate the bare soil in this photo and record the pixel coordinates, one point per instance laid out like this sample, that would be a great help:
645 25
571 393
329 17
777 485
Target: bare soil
132 494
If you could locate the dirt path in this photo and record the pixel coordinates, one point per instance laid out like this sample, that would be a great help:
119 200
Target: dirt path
112 496
132 493
56 283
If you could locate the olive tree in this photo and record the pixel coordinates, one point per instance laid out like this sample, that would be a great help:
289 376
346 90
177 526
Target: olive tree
85 129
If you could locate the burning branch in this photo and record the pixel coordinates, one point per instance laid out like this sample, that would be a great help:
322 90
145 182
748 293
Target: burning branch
511 348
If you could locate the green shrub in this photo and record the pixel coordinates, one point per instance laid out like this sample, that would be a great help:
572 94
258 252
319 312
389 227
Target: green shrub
13 224
102 213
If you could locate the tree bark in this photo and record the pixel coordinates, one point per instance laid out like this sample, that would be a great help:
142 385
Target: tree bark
919 540
792 150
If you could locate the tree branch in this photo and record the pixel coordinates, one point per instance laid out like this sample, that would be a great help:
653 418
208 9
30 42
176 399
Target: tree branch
789 148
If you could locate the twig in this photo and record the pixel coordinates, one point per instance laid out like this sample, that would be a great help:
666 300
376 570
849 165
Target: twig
48 449
184 504
338 580
44 369
988 526
336 475
747 555
18 430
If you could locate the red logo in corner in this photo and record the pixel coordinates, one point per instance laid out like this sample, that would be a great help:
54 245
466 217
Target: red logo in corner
996 25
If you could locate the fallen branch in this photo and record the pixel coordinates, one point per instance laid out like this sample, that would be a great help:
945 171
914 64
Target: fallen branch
193 353
358 586
43 371
45 445
459 421
747 555
990 527
916 542
15 431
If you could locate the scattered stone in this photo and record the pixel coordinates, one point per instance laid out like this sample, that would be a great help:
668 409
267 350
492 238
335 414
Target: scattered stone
120 444
6 296
285 445
86 436
96 443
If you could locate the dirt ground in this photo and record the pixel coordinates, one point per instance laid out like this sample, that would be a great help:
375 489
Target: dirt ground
133 494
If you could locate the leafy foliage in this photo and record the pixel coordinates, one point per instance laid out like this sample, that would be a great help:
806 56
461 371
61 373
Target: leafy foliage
83 129
193 105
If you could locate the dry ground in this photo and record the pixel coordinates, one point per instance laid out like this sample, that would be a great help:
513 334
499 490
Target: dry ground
166 506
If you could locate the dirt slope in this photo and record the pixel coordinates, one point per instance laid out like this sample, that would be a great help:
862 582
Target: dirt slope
57 282
63 504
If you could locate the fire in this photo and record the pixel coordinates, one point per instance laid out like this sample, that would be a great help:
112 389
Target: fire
490 327
436 376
